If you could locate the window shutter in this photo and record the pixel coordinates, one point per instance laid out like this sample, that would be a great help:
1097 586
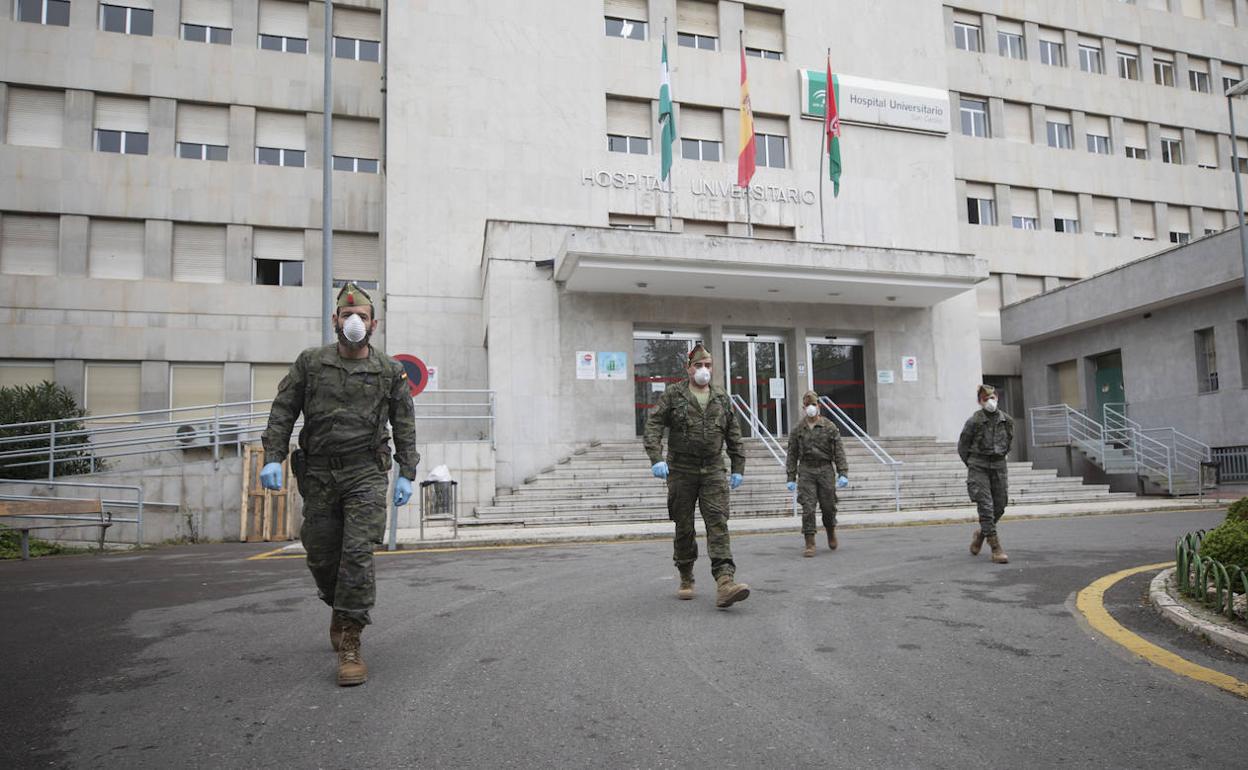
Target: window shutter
115 249
357 257
1134 134
1090 42
195 386
1028 286
980 191
209 13
1105 215
144 4
764 29
1009 26
628 118
264 380
1173 134
115 113
1057 116
1098 125
1224 10
966 17
1180 219
357 138
695 17
25 373
1198 65
1142 220
285 19
1127 48
1164 57
284 130
1065 206
285 245
1017 122
1241 149
113 389
1215 220
361 25
1023 203
199 253
29 245
1052 35
36 118
988 294
203 124
634 10
697 123
768 125
1193 9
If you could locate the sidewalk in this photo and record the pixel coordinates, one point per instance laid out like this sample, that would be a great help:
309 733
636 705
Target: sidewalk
484 536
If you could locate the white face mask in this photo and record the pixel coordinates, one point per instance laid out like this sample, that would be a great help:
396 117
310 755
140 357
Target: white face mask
990 405
353 328
701 376
812 410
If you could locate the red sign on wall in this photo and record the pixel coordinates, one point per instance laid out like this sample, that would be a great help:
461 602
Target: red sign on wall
417 372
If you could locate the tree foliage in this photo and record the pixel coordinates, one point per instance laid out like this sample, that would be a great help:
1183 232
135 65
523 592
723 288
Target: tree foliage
39 403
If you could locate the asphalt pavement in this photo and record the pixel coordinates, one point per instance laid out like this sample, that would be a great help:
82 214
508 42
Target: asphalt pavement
899 650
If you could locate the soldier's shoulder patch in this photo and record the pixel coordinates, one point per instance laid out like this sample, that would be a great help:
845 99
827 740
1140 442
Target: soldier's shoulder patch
403 375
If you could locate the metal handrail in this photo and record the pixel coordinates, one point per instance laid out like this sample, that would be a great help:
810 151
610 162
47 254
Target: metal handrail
878 452
1183 454
138 502
779 453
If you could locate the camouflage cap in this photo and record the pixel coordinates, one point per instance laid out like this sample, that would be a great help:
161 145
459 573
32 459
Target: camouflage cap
985 391
352 295
698 353
810 397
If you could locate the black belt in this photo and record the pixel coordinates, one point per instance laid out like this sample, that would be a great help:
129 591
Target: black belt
339 462
815 463
698 460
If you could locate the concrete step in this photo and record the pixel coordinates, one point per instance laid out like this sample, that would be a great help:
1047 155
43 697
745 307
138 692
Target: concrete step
658 492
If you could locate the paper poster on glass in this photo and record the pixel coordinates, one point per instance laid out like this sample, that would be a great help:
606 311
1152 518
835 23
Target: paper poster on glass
612 366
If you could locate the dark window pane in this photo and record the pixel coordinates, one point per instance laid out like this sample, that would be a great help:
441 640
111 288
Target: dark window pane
710 151
267 156
775 152
195 32
108 141
270 43
190 150
140 22
614 26
760 150
638 31
217 152
344 47
972 211
58 12
30 10
366 166
689 149
688 41
222 36
638 146
294 158
296 45
292 273
344 164
136 143
268 272
617 143
370 50
112 18
707 43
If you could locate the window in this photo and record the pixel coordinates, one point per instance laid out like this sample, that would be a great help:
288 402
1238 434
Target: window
1135 140
1091 60
283 26
764 54
36 118
127 20
202 34
357 35
1143 222
278 256
281 139
628 126
626 28
1065 212
697 24
771 138
1060 134
198 151
1163 72
967 37
1128 66
357 257
115 248
208 21
1011 45
52 12
1105 217
1180 221
1206 362
1017 122
974 117
1139 153
1172 151
1052 52
635 145
357 145
700 149
203 132
195 385
1099 144
29 245
1229 83
1066 225
764 34
626 18
16 373
1024 209
981 206
701 132
1206 150
1025 223
112 389
199 253
1199 81
1179 237
121 125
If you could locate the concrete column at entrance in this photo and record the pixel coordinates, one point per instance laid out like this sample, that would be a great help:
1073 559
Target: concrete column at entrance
71 374
715 343
154 388
795 365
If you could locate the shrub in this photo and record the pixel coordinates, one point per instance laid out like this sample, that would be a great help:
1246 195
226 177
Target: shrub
1238 510
1228 544
36 403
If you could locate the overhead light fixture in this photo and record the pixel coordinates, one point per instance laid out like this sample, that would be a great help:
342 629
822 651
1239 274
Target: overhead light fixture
834 294
891 299
773 291
642 284
708 287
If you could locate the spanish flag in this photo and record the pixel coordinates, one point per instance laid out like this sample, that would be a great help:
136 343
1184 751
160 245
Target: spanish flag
745 158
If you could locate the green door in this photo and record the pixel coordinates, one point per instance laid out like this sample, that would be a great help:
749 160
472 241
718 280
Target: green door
1109 389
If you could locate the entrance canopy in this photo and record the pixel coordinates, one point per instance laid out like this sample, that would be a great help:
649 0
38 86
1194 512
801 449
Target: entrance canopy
617 261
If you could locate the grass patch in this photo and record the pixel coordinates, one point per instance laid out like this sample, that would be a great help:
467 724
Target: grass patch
11 546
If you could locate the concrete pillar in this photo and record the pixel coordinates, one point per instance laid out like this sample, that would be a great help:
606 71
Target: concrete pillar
1117 143
74 235
1051 282
79 116
312 259
1161 222
714 336
795 365
84 15
162 118
71 374
1181 67
959 190
316 29
4 112
996 117
948 18
1153 133
1044 205
1039 131
242 134
1125 228
1210 9
154 389
1241 13
238 254
167 18
1215 77
236 382
1196 214
1189 147
1109 50
1070 41
1087 214
1079 129
1001 192
1009 289
1031 40
1146 64
158 245
246 20
315 131
1224 151
988 24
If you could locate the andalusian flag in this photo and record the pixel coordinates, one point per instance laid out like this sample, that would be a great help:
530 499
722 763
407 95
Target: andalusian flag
832 128
745 156
667 119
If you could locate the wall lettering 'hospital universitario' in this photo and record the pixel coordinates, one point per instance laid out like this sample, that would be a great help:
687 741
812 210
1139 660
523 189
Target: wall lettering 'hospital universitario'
160 224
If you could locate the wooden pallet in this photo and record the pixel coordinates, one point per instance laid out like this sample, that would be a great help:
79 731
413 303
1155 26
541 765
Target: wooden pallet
266 514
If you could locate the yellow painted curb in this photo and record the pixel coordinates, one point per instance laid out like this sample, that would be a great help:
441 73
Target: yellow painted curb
1091 602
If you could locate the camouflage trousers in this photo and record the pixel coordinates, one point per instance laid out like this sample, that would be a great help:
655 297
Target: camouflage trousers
816 484
708 490
344 516
989 489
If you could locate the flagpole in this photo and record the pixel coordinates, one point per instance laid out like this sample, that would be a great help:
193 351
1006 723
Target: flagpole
749 215
823 150
671 175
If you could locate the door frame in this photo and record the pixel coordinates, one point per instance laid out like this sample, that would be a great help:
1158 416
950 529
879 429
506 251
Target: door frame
782 428
810 360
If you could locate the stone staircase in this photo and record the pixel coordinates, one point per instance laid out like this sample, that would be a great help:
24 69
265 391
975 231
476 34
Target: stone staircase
610 482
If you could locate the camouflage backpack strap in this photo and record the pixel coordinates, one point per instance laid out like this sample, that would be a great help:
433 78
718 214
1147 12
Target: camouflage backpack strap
387 379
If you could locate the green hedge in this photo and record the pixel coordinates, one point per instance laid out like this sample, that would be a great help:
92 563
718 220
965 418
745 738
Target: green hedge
1238 510
1228 544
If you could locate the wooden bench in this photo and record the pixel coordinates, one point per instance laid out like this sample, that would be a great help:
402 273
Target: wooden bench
56 510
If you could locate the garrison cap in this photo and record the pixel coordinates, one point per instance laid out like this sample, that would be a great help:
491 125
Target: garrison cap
352 295
698 353
810 397
985 391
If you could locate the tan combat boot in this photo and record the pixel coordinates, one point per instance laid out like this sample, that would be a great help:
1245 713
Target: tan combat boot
351 668
998 553
977 542
336 625
832 539
729 591
686 585
810 546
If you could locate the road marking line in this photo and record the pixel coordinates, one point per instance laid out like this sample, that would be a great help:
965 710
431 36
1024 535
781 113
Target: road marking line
1091 602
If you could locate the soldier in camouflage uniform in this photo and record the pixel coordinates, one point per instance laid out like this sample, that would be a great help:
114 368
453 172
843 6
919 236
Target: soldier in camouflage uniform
699 420
347 392
983 446
816 467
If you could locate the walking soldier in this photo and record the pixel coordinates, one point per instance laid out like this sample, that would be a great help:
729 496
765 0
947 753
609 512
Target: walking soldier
816 468
983 446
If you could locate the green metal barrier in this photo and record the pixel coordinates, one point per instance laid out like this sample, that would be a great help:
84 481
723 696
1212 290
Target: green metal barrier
1206 580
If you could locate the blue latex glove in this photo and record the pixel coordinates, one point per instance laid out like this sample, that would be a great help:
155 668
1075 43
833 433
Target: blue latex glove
841 482
402 491
792 485
659 470
735 480
271 476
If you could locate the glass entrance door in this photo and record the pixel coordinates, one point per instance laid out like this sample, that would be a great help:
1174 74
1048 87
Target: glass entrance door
755 370
658 361
836 371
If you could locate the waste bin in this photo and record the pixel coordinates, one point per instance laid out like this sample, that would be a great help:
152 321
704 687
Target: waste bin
438 499
1210 474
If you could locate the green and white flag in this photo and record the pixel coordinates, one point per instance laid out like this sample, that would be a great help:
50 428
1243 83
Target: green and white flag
667 119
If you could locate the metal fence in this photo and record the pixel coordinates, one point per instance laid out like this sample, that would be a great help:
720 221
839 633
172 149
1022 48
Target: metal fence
1207 580
1232 463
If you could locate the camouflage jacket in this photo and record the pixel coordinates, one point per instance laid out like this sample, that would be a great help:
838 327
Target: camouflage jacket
695 437
819 443
986 438
346 404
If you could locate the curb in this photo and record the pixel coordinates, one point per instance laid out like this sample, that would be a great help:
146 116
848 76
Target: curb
1176 612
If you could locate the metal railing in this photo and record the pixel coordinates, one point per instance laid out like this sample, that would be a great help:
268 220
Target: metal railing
1141 453
1207 580
1232 462
847 425
1060 425
137 504
779 453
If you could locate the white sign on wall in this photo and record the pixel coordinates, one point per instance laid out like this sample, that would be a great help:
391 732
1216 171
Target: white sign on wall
776 385
909 369
877 102
586 365
433 378
884 376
